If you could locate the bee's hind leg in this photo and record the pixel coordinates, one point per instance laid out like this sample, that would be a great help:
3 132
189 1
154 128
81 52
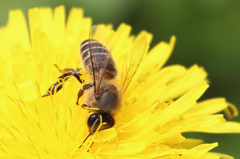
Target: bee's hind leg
80 93
54 88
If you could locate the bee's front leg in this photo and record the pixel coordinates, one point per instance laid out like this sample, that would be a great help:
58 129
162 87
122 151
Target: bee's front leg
84 106
80 93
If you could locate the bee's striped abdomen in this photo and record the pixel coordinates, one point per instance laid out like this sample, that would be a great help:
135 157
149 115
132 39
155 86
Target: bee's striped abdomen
99 56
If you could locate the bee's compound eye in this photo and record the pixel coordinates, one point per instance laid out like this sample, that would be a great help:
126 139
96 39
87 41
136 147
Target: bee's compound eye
94 121
108 119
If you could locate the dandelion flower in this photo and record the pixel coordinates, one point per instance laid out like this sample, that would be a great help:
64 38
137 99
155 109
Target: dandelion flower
159 105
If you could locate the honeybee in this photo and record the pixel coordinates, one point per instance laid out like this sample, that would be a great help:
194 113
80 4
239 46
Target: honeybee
103 93
66 73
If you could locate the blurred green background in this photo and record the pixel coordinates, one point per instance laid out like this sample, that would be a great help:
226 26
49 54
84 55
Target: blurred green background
207 31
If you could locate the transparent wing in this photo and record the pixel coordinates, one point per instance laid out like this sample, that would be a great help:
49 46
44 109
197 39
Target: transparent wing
132 60
100 52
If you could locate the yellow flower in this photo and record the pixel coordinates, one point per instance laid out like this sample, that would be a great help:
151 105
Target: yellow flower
159 105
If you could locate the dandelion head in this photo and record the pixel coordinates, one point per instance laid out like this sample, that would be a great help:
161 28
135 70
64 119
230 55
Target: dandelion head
158 104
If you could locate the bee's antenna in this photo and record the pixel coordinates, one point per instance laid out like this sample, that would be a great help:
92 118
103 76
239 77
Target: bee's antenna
86 138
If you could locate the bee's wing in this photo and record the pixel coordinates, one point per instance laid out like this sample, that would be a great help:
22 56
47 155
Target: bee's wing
100 49
132 61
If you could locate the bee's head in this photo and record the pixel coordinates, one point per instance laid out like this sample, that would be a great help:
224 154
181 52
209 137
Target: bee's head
94 121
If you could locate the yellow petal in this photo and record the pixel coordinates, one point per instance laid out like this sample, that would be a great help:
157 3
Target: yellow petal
226 127
207 107
123 149
222 156
200 151
190 143
16 23
181 105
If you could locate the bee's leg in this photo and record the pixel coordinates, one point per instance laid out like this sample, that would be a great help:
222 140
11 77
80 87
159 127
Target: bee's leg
80 93
54 88
69 71
84 106
77 77
66 73
45 95
57 67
